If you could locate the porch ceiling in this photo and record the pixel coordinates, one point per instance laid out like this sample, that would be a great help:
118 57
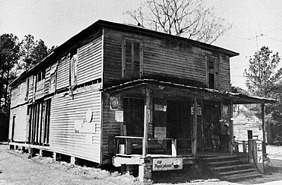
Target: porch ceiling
187 91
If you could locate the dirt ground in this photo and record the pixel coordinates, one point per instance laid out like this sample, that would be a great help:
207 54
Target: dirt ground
17 169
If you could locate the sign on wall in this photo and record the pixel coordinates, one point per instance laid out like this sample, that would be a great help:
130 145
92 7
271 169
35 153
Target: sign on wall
160 107
160 132
164 164
119 116
199 110
114 102
85 125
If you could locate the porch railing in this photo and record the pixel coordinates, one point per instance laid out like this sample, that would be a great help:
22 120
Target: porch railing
240 146
129 144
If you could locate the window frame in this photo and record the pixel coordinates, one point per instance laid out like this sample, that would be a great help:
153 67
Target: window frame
124 57
73 69
212 71
40 75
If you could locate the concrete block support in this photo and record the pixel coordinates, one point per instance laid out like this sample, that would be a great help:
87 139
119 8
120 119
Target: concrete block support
73 160
145 170
55 156
41 153
31 152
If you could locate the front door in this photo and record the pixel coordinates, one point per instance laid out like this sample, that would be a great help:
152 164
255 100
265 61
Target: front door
134 116
211 128
179 124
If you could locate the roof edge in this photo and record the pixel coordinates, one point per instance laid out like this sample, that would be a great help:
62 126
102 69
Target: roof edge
103 23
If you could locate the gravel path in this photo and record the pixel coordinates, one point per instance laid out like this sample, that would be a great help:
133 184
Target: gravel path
17 169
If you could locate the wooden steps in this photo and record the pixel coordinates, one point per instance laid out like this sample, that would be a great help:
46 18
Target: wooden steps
231 168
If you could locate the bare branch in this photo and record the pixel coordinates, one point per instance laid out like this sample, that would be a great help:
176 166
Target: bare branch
188 18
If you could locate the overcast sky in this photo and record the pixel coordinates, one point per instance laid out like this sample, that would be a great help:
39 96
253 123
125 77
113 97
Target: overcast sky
255 23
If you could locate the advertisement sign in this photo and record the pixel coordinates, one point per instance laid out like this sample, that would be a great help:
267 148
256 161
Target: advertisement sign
165 164
160 132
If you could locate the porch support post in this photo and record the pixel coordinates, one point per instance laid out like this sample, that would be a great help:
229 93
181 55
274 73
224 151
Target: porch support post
231 128
263 132
194 144
147 119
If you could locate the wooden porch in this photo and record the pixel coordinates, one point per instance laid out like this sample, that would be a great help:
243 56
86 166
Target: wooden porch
206 134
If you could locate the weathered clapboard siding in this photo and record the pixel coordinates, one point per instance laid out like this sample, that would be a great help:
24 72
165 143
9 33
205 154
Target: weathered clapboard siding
18 95
65 111
63 72
160 57
90 61
224 73
18 115
111 128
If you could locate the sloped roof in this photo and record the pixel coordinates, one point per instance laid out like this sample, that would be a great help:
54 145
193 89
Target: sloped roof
51 58
236 97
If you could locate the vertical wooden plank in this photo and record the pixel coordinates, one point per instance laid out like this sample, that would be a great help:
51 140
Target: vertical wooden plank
194 145
141 60
123 58
147 119
244 147
231 128
174 147
128 146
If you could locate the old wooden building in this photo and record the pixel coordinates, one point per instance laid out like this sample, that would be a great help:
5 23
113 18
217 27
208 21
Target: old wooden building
119 93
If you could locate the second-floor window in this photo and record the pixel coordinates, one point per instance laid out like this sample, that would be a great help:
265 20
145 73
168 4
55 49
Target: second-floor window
132 59
212 73
40 75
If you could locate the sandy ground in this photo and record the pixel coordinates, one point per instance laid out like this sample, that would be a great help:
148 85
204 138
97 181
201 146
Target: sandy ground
17 169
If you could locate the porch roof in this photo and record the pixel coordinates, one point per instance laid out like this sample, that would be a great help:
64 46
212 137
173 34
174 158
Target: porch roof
237 98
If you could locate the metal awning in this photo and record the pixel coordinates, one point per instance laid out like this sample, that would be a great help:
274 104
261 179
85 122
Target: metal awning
237 98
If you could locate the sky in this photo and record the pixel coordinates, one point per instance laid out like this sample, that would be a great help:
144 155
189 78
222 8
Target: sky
255 23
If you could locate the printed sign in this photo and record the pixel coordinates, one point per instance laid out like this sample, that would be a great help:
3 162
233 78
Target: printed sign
119 116
160 108
160 132
82 126
165 164
199 110
114 102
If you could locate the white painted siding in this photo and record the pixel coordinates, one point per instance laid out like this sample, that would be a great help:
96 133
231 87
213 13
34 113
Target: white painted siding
20 123
63 73
90 61
65 112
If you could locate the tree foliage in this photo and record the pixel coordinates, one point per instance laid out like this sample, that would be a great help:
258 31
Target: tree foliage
32 51
262 74
187 18
9 55
264 79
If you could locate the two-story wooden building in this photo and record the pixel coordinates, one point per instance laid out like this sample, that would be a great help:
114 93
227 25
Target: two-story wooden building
118 93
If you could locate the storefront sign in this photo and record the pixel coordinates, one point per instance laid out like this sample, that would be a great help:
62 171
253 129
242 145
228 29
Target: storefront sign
164 164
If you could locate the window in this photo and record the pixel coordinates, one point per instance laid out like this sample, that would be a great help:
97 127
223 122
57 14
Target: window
41 75
212 72
132 59
39 122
